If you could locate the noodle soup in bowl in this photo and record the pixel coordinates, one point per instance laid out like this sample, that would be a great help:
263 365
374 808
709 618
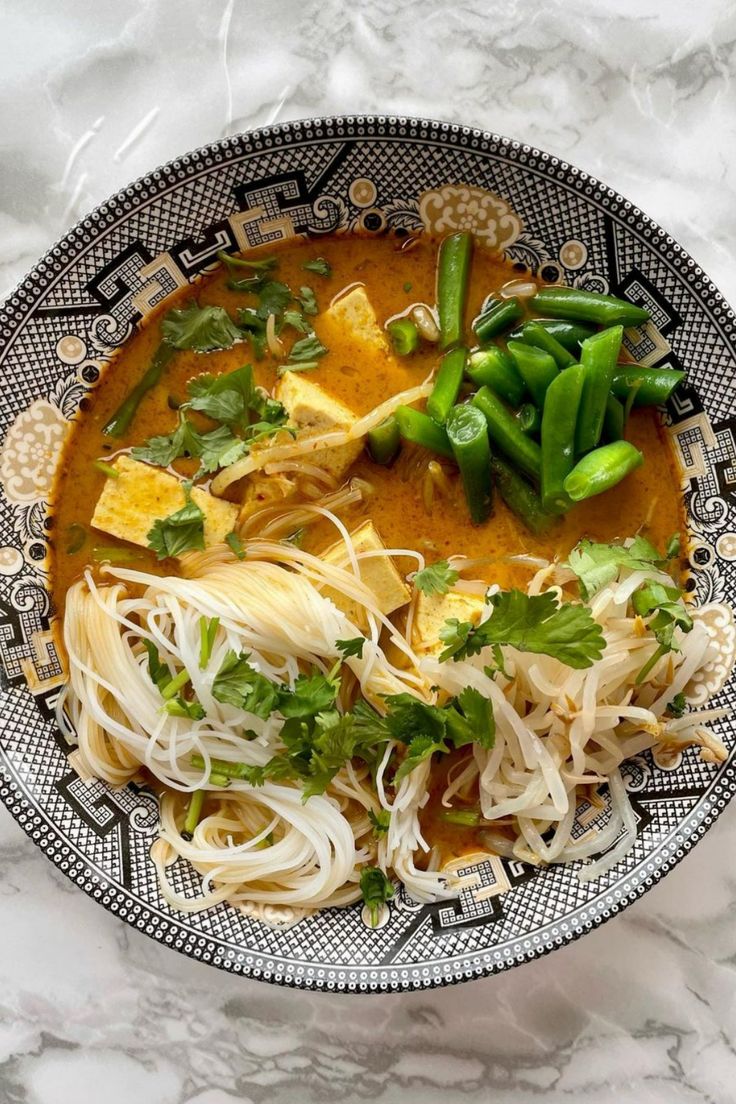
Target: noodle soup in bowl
367 566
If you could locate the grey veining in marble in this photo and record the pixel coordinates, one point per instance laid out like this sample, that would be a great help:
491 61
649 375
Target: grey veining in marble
640 94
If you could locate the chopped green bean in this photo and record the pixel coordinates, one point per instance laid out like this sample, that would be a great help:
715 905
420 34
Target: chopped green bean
404 336
602 469
587 306
614 420
536 368
559 419
520 497
507 434
499 315
569 334
419 429
447 384
453 270
598 356
533 333
494 368
529 418
119 423
467 431
384 441
653 386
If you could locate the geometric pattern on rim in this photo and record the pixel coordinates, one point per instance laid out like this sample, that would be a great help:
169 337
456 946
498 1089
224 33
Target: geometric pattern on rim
82 300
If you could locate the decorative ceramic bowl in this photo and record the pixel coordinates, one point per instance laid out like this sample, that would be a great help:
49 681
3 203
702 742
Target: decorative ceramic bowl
81 302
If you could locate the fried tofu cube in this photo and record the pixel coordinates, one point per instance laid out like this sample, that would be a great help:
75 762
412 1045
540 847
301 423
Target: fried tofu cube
354 314
432 610
141 494
379 573
314 411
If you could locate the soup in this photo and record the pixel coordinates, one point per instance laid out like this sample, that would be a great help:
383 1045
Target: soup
335 582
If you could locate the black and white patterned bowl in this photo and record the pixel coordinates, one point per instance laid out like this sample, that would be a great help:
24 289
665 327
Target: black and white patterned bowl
86 296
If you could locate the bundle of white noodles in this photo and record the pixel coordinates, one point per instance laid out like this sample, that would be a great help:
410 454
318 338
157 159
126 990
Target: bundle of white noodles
559 732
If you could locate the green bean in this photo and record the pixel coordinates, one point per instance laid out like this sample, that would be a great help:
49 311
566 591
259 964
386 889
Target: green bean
614 420
520 497
602 469
559 419
536 368
598 356
404 336
421 430
653 385
533 333
569 334
494 368
587 306
467 430
119 423
447 384
507 434
500 315
453 270
529 418
384 441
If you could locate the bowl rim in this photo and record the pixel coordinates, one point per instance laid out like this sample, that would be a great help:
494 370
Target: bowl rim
67 249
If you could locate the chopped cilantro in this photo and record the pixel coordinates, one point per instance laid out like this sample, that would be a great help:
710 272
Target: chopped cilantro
598 564
381 821
265 264
436 578
376 890
199 328
237 683
207 633
677 706
182 531
308 300
664 605
319 265
297 321
353 647
673 547
306 349
235 544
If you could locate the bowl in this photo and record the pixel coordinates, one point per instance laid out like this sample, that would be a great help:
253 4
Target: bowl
375 174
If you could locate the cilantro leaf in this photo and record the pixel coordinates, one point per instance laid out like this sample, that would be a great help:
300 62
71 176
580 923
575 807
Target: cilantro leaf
200 328
254 327
419 749
180 707
181 531
308 300
319 265
353 647
159 673
235 544
478 711
677 706
436 578
264 264
310 694
667 611
409 716
162 450
297 321
673 547
381 821
308 366
273 298
218 449
376 890
226 397
531 623
306 349
598 564
237 683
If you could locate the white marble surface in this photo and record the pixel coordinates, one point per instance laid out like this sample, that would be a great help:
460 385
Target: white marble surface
642 95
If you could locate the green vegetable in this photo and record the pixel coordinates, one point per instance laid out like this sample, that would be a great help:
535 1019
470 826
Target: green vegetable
119 423
587 306
520 498
494 368
453 271
235 544
297 321
308 300
467 431
529 418
194 813
614 421
467 818
407 285
598 356
216 449
106 469
310 695
447 384
182 531
534 333
199 328
381 821
175 684
677 706
319 265
650 386
596 565
158 672
602 469
376 889
227 397
530 623
667 611
265 264
113 553
239 684
500 315
436 578
568 334
404 336
507 435
673 547
352 647
421 430
207 635
180 707
536 368
559 419
76 539
306 349
384 441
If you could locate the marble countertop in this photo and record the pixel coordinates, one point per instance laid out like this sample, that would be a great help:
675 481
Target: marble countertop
641 95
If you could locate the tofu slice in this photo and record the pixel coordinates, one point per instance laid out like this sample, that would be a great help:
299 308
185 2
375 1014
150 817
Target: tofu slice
354 314
311 409
379 573
130 504
432 610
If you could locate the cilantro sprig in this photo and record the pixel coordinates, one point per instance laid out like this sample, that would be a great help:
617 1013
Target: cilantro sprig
436 578
376 889
182 531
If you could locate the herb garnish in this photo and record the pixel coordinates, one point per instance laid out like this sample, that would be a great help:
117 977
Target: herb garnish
376 890
436 578
182 531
